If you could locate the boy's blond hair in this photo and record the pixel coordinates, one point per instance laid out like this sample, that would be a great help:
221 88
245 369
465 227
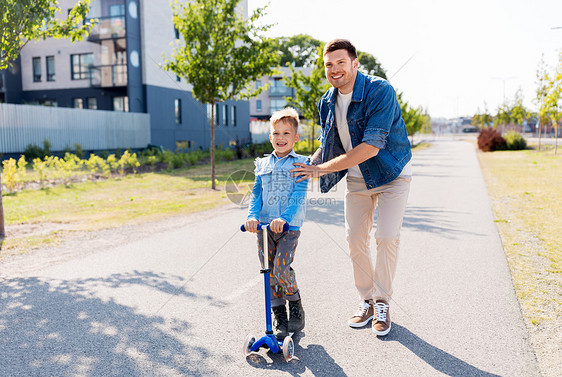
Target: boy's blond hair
289 114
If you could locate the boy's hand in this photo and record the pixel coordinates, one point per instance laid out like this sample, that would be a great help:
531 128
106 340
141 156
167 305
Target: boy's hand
277 225
251 225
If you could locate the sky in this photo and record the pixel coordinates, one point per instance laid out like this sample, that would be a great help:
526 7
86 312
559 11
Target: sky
453 58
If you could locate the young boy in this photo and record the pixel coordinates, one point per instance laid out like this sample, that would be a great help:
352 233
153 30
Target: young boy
277 199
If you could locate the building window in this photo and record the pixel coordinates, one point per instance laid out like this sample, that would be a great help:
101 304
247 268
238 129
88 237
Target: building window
277 104
176 33
121 104
258 105
258 83
177 110
80 66
92 103
233 115
225 115
50 61
36 69
78 103
217 118
178 78
278 88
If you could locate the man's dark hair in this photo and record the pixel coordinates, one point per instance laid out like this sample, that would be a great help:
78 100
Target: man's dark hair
341 44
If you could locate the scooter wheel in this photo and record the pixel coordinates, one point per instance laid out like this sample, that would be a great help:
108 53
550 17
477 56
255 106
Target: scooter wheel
288 348
248 343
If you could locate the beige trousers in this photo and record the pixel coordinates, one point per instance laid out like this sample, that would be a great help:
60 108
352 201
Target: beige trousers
360 203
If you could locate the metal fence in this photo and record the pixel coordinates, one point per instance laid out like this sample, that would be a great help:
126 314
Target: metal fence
21 125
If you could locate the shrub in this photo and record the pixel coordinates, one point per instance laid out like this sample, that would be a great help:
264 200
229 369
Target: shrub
10 176
78 151
258 150
151 160
225 154
130 161
176 161
490 140
32 152
303 147
22 171
515 141
46 147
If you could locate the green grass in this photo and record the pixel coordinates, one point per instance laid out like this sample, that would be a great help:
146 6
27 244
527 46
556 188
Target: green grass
525 188
105 204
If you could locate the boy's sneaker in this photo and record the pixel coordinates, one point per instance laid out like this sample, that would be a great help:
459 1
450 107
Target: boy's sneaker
381 326
363 315
280 322
296 316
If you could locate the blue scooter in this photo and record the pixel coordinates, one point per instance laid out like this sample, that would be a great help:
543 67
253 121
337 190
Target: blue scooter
268 340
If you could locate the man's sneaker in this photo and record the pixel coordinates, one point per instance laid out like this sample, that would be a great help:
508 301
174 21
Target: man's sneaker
382 325
280 322
363 315
296 316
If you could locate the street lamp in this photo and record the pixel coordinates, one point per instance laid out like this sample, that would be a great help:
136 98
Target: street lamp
504 79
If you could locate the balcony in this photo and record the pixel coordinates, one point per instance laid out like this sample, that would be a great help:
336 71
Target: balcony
280 91
108 76
111 27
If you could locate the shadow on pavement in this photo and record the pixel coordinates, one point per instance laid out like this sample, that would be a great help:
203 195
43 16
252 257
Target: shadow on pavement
313 358
435 220
435 357
56 328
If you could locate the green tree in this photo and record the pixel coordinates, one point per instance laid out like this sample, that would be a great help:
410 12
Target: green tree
503 116
24 20
552 101
302 51
519 112
221 54
543 83
299 50
308 91
370 65
482 119
414 118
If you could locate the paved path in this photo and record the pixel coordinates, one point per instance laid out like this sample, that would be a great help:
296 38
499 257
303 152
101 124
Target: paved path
180 302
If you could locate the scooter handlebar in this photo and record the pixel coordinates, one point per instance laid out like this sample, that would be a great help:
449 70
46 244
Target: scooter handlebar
285 227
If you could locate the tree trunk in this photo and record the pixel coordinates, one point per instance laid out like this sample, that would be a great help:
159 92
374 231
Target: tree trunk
213 184
556 139
539 127
2 230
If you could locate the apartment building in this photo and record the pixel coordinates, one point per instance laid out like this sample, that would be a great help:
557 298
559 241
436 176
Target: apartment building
273 99
118 68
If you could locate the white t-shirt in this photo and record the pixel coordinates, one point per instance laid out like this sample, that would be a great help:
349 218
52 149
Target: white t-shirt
342 103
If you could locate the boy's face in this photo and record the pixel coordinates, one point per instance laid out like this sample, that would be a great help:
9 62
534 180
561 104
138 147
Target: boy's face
283 136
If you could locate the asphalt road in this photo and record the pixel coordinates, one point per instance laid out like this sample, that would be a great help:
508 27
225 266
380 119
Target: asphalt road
180 301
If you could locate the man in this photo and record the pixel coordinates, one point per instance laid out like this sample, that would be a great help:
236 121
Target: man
364 136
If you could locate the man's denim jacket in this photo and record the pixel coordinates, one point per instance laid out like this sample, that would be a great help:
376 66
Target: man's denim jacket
373 117
275 193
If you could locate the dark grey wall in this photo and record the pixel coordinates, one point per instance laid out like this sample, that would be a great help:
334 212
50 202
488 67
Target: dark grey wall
194 126
64 97
137 100
12 83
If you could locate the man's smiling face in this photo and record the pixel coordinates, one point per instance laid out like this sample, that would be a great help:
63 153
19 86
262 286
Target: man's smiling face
341 71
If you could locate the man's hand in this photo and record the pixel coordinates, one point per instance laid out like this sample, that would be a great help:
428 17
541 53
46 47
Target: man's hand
251 225
277 225
303 171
